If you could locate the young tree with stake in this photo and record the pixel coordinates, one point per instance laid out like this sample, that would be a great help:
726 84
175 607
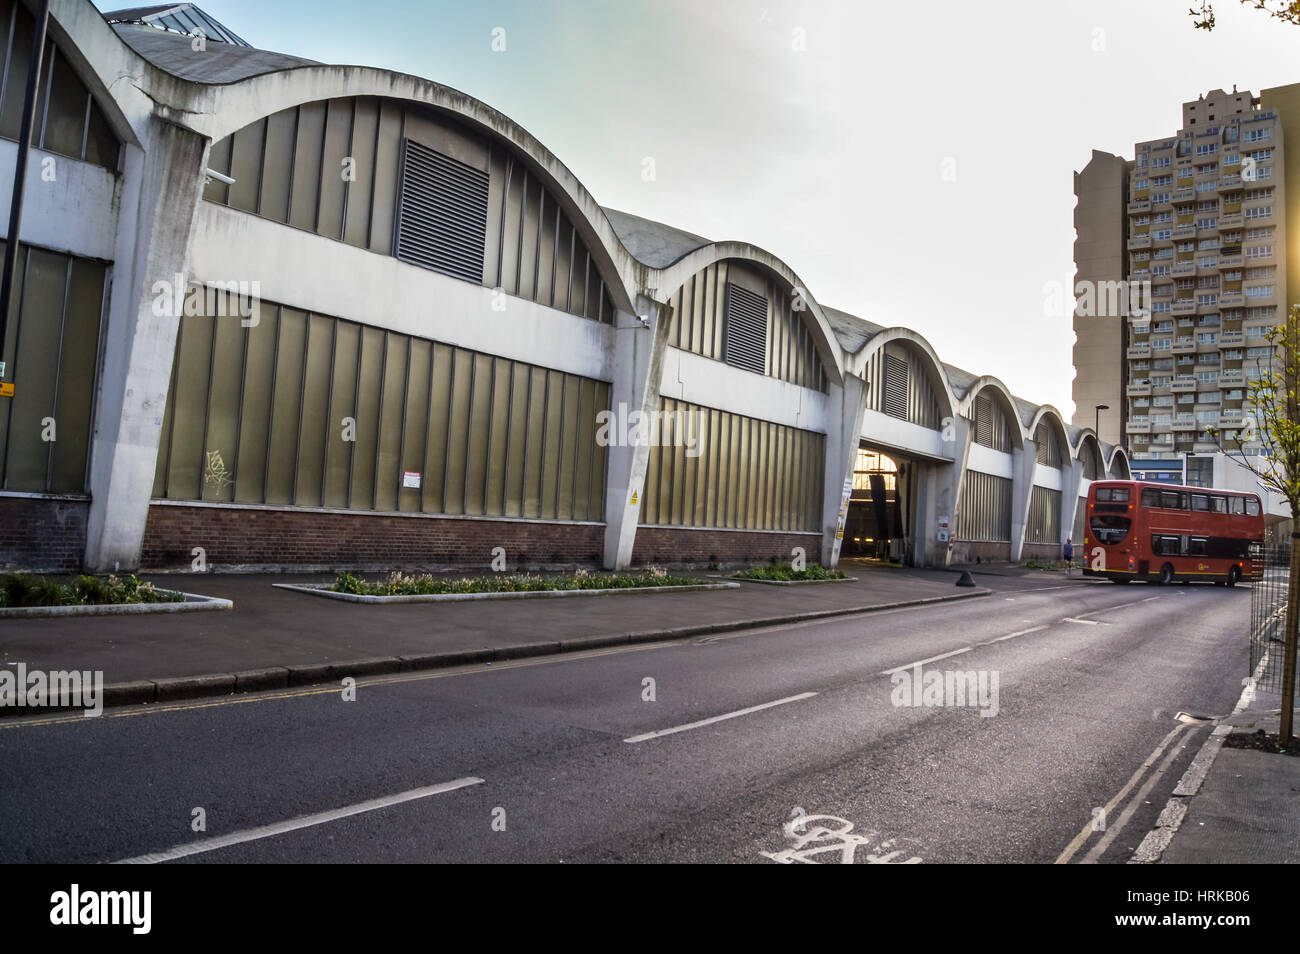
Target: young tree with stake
1274 422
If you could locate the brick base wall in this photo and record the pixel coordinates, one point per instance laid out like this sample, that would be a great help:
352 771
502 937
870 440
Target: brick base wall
1042 551
966 551
43 535
300 539
670 545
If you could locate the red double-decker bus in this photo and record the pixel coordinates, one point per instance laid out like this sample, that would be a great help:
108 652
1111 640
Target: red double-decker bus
1157 532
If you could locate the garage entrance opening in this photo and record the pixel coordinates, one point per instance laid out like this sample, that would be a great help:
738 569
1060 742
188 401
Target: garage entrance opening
878 525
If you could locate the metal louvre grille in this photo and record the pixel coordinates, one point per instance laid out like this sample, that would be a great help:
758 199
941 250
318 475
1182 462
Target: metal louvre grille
895 387
746 340
441 213
1049 451
984 420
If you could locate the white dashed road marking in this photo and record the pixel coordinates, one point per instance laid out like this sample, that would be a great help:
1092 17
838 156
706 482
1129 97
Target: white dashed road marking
294 824
718 718
922 662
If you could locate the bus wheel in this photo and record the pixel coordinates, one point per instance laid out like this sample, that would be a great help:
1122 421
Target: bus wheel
1234 574
1167 573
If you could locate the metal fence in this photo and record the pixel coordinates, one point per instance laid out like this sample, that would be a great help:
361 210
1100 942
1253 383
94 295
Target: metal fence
1268 599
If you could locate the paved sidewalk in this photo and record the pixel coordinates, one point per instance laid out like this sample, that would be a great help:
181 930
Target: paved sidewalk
277 637
1245 811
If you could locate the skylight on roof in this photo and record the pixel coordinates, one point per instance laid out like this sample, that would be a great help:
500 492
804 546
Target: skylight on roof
183 18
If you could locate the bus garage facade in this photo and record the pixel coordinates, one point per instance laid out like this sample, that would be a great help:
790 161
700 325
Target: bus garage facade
279 313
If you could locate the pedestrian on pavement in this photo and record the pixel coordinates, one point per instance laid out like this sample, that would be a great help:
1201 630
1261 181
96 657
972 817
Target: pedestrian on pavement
1069 556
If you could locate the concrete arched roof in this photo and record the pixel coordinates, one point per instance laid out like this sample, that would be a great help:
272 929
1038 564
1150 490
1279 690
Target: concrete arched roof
1005 399
664 283
251 84
1118 455
917 342
1088 437
1054 419
217 111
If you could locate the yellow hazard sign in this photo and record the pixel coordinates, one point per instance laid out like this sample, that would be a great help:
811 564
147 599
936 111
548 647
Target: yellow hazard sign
634 496
6 389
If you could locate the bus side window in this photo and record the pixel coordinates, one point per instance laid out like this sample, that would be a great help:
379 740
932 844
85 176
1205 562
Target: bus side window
1167 546
1200 502
1196 546
1252 507
1236 503
1219 504
1150 497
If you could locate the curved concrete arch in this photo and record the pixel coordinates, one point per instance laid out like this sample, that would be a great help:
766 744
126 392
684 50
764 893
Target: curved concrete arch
909 337
664 283
1118 456
1005 400
1047 412
1088 437
231 107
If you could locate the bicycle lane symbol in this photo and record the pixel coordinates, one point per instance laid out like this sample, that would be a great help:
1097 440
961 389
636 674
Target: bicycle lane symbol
815 836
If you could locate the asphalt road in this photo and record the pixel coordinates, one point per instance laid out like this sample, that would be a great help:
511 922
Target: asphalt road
553 763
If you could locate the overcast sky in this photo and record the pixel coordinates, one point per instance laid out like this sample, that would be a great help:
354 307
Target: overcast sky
822 131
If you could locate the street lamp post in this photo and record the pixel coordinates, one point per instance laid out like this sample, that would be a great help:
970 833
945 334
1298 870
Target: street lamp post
1097 423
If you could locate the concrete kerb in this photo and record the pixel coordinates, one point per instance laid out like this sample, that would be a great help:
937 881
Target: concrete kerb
285 677
323 589
193 603
842 579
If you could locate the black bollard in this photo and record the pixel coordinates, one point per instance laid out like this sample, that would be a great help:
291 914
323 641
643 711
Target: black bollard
965 579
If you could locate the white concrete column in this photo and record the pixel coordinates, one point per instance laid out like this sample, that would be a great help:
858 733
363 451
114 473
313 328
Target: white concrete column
847 402
1071 479
942 495
639 344
1023 460
162 186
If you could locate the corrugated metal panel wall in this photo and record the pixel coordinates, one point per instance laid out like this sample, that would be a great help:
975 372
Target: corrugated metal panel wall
985 509
67 120
52 356
922 406
1093 469
747 474
698 324
1044 516
260 415
334 167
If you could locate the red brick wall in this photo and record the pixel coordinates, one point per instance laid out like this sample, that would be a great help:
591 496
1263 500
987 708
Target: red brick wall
42 534
668 545
965 551
1044 551
303 538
